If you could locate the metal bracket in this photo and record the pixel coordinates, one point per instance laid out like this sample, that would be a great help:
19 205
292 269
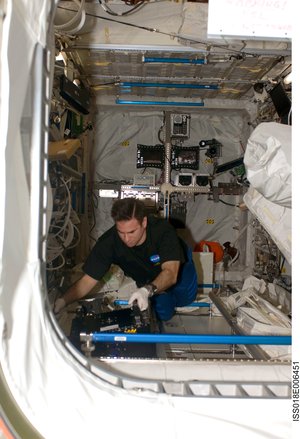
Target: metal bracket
88 346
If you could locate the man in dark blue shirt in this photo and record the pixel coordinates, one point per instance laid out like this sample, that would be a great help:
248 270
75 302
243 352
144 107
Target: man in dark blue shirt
149 251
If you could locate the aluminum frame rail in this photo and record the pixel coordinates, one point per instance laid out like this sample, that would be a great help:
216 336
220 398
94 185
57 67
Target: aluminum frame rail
255 351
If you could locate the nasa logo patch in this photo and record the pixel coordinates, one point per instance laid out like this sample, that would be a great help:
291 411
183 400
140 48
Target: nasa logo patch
155 259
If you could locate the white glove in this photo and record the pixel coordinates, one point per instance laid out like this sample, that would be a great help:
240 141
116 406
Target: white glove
141 296
59 304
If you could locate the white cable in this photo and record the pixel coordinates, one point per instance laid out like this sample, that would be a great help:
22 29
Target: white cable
109 11
66 26
289 116
69 207
240 234
52 254
59 266
70 234
55 251
80 25
221 267
64 237
78 238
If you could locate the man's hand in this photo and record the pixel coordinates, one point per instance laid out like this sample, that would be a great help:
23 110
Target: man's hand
141 296
59 304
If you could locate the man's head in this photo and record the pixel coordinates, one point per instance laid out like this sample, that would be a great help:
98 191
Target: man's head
130 218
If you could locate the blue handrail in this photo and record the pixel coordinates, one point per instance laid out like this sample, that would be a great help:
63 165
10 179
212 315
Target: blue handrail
193 304
149 59
169 85
192 338
162 103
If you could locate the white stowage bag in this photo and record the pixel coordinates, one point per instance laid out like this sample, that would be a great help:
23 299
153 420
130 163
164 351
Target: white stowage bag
268 166
256 315
276 219
268 162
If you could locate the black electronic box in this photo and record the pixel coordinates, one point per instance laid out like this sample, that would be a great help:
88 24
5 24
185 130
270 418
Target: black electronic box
128 320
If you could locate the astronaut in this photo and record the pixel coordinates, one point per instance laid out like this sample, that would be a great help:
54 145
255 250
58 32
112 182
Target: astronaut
149 251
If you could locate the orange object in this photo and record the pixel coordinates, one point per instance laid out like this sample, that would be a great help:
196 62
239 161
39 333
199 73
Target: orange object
211 246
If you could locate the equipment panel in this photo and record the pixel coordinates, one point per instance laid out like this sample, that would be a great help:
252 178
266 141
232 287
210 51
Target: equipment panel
89 319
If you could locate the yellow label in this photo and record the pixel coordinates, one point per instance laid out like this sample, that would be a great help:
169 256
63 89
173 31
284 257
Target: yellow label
125 143
210 221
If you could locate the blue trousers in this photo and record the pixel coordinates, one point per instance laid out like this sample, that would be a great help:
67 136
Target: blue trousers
181 294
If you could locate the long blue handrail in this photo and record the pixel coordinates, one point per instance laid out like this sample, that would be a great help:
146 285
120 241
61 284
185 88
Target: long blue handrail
149 59
162 103
192 338
169 85
193 304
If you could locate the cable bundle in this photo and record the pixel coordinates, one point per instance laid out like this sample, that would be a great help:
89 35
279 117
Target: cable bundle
63 232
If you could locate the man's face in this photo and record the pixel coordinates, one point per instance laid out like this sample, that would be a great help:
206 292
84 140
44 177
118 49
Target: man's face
132 232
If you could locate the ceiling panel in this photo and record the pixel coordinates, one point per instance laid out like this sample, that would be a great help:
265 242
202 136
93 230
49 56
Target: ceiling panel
103 70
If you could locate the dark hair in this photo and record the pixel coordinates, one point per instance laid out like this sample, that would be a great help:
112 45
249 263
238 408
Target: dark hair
128 208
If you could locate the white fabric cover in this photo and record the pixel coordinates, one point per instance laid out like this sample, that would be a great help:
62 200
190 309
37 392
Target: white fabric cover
276 219
268 166
35 12
268 162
